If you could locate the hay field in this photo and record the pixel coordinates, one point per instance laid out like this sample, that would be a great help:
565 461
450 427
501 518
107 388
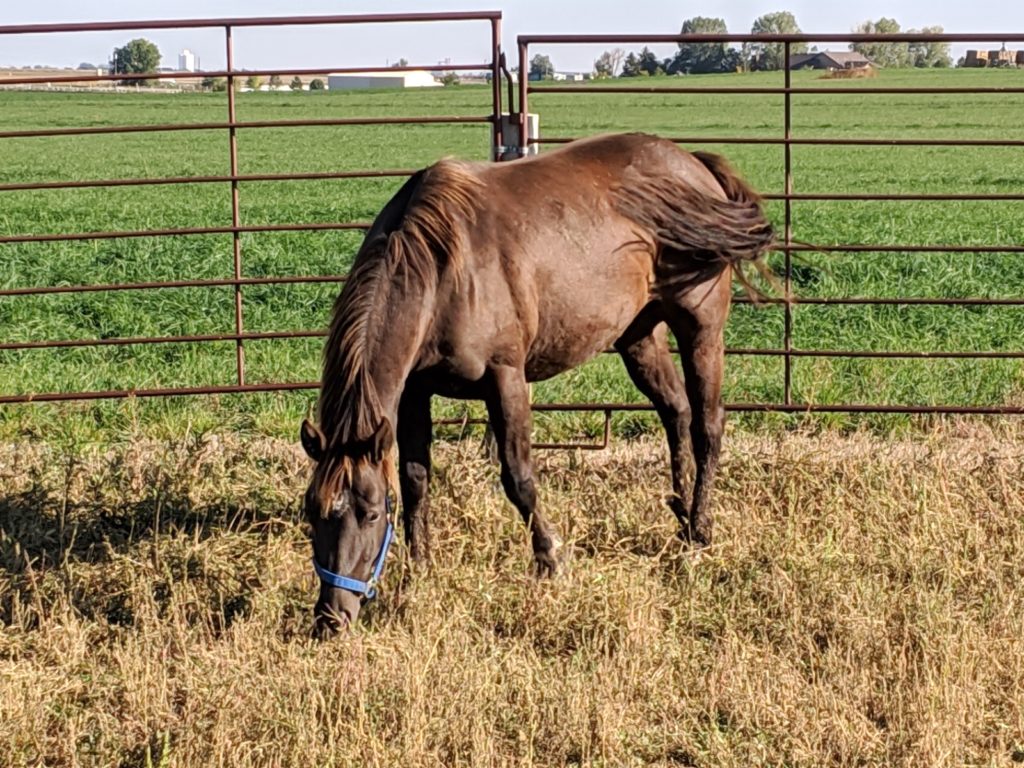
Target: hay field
862 607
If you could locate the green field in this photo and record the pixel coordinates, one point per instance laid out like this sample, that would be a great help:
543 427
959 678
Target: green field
305 307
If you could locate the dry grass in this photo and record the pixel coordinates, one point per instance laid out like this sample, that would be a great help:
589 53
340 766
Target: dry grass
862 607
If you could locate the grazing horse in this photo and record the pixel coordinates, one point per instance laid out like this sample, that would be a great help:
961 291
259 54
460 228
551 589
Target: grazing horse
476 279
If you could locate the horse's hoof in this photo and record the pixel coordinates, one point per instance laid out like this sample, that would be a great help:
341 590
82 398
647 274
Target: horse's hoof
696 539
679 508
546 565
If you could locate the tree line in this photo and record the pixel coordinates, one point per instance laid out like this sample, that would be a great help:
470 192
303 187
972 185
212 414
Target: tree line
703 58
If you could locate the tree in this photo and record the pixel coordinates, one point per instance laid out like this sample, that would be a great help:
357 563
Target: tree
253 82
607 64
215 84
450 78
700 58
400 63
275 81
649 63
934 54
631 66
882 54
541 68
316 84
296 83
136 57
770 56
87 65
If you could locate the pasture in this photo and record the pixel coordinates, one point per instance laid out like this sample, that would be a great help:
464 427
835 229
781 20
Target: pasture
860 607
305 307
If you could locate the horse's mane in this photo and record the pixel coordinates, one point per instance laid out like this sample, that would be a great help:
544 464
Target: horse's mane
425 241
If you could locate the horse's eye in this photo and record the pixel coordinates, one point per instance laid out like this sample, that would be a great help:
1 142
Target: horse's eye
372 515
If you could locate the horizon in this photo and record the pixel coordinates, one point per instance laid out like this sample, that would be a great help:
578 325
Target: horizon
337 46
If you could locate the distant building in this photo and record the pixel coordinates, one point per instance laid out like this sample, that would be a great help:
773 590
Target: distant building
405 79
188 61
829 60
560 77
1001 57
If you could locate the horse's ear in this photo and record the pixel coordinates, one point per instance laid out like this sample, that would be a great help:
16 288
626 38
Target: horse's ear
381 440
313 441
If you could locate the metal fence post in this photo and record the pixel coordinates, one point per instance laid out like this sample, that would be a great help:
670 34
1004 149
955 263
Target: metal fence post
236 219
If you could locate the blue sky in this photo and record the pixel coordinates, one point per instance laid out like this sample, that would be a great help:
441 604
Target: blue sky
460 42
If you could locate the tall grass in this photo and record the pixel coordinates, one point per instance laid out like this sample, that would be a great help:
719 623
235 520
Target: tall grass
861 607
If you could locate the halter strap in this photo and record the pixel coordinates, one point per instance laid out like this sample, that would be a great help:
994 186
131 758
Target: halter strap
367 589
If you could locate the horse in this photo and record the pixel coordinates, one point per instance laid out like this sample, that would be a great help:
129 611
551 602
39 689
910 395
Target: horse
478 278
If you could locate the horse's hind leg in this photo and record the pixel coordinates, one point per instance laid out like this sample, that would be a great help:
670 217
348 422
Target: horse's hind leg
698 322
414 432
645 351
508 405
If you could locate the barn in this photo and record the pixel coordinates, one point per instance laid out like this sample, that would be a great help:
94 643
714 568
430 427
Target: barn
405 79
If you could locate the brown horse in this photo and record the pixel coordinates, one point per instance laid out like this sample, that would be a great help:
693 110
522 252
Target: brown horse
476 279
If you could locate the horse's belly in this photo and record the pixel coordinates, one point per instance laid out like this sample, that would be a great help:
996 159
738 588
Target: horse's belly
585 304
566 342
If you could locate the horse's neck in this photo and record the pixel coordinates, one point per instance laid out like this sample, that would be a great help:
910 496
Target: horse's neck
405 322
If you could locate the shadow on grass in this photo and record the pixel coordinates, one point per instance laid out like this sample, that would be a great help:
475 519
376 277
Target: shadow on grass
46 544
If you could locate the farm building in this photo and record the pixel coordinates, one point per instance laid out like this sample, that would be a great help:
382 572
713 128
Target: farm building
410 79
976 59
561 77
1001 57
829 60
188 61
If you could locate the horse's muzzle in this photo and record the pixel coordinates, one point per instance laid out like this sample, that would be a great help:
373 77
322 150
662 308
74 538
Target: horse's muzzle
335 611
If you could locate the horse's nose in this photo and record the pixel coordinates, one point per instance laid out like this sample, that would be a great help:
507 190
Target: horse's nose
327 622
335 611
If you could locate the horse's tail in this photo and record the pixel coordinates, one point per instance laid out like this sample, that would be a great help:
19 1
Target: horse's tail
701 234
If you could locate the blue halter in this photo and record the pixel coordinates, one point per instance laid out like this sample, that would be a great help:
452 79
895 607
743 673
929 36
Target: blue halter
367 589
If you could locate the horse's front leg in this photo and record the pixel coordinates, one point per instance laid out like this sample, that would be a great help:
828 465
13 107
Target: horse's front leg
508 405
414 435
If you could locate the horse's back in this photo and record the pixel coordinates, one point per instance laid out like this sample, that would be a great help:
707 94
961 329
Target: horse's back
553 271
573 271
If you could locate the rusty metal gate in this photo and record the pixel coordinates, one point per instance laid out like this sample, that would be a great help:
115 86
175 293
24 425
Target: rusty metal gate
787 140
786 195
235 228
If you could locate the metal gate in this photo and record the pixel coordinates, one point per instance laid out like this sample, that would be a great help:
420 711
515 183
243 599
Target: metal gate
787 195
235 228
230 125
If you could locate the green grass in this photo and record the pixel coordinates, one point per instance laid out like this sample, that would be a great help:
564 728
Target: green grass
303 307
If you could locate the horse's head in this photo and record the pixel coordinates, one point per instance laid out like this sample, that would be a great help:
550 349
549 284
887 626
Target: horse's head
349 509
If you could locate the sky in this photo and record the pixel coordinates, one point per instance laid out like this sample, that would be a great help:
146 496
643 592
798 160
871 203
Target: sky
460 42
